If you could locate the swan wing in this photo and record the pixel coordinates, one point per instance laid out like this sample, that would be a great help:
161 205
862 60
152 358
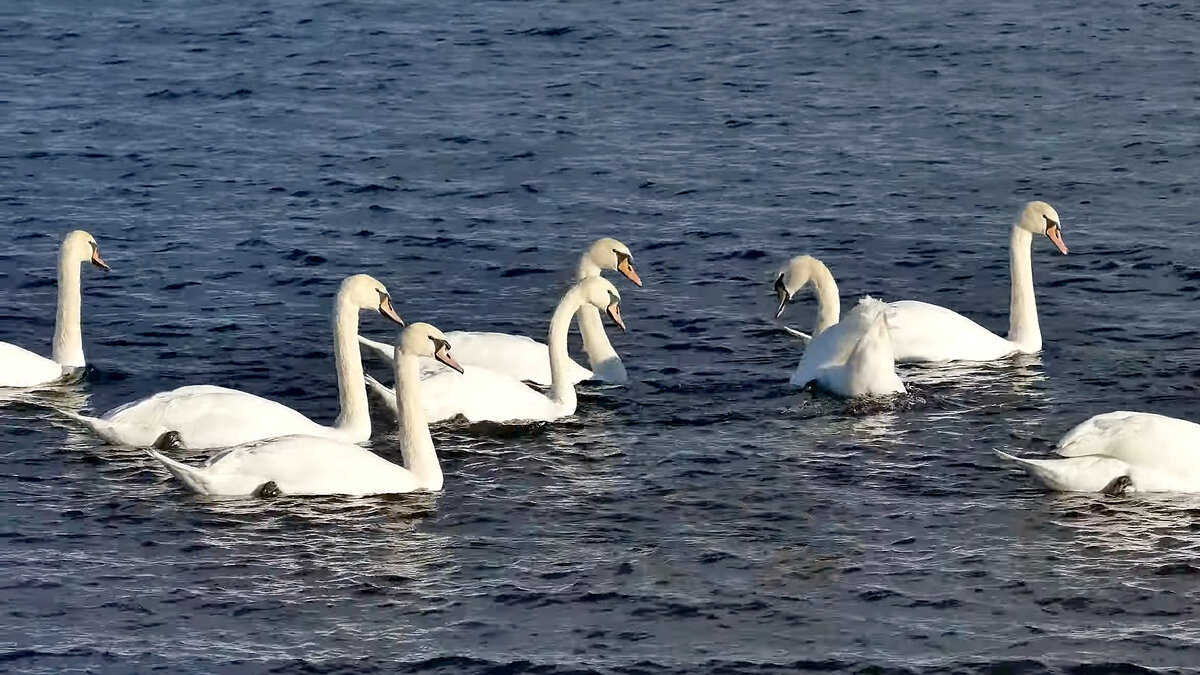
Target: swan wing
207 416
517 356
925 333
481 394
1140 439
298 465
20 367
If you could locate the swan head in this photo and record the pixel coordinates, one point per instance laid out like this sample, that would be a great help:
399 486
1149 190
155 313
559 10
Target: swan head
1041 218
365 292
793 278
422 339
79 246
610 254
600 292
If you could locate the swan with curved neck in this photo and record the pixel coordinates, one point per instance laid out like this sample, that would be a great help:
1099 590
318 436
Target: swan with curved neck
848 357
1120 452
527 359
924 333
20 367
308 465
487 395
207 416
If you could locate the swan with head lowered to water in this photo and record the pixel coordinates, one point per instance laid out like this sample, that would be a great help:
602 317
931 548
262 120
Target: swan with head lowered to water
308 465
527 359
20 367
1121 452
207 416
487 395
849 356
926 333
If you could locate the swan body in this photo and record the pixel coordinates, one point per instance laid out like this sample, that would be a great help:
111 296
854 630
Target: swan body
20 367
925 333
514 355
1118 451
207 416
482 394
854 356
526 359
307 465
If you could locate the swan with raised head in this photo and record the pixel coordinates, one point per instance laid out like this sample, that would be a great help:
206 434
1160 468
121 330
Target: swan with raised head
1120 452
848 357
207 416
308 465
527 359
20 367
487 395
925 333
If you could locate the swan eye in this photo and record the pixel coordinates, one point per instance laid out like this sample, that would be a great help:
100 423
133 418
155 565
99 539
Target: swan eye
1050 222
781 287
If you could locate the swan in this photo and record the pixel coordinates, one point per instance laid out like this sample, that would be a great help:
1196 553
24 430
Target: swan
20 367
526 359
925 333
308 465
487 395
848 357
1121 452
207 416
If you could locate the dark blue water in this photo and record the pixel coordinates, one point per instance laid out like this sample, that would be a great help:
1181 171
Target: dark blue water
235 163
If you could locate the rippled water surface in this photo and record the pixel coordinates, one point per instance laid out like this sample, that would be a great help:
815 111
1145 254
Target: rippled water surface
236 162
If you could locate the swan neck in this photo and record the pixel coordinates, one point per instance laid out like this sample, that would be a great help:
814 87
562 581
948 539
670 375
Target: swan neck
587 268
601 355
68 337
416 445
1023 329
562 389
354 418
829 303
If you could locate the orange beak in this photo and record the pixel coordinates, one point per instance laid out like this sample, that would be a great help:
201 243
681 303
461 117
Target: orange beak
1056 237
443 355
614 312
97 261
625 267
386 309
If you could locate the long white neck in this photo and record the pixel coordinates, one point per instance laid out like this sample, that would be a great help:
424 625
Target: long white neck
829 303
602 358
561 388
354 419
1023 326
420 457
68 338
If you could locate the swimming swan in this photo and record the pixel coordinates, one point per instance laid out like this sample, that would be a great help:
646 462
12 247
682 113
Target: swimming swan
20 367
215 417
922 332
526 359
487 395
307 465
1121 452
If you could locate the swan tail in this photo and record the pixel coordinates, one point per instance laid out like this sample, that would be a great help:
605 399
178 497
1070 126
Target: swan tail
99 426
1093 473
388 396
190 476
382 349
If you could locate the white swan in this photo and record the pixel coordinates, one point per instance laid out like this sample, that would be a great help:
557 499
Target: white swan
527 359
487 395
922 332
20 367
215 417
307 465
1123 451
848 357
